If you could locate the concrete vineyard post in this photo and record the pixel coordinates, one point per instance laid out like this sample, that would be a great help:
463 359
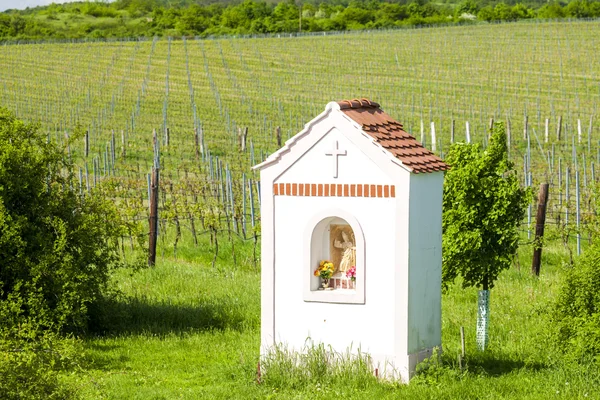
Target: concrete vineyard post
578 211
251 201
433 140
468 132
589 137
244 205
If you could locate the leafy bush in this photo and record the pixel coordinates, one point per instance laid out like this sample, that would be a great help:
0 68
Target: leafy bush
57 249
28 368
577 310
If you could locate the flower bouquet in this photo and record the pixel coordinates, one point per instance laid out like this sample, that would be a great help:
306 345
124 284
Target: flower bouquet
351 273
324 271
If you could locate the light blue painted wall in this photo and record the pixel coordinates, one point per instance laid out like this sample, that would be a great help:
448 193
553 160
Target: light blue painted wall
425 261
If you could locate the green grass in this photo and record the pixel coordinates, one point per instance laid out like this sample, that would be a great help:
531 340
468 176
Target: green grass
186 330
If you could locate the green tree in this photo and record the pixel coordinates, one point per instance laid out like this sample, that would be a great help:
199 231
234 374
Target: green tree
467 7
486 14
482 207
503 12
551 10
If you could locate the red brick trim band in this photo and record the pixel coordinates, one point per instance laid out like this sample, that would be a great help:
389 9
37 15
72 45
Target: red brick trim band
333 190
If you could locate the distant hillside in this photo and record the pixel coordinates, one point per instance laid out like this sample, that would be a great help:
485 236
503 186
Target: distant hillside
134 18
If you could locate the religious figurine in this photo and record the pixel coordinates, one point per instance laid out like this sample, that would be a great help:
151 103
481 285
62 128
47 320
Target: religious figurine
349 255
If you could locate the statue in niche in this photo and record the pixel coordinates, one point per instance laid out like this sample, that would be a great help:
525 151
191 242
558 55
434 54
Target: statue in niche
347 249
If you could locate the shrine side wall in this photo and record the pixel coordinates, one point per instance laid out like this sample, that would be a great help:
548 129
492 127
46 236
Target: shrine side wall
425 261
369 325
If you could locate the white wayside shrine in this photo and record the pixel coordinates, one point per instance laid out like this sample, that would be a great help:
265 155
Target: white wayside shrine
351 212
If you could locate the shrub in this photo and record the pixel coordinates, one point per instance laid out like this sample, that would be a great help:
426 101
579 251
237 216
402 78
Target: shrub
57 249
577 310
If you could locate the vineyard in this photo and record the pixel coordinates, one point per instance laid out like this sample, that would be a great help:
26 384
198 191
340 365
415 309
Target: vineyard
205 111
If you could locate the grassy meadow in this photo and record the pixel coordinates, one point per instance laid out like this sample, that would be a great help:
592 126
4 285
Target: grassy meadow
187 330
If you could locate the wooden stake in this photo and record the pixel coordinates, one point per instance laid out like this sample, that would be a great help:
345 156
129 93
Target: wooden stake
558 128
278 133
242 135
153 217
86 146
540 221
461 357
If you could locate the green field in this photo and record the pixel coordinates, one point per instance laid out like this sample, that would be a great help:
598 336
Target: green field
190 329
419 76
186 330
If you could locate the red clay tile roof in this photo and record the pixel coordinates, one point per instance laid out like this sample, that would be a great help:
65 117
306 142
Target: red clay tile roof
390 135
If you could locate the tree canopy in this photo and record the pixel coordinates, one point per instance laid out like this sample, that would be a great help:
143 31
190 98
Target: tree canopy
135 18
483 206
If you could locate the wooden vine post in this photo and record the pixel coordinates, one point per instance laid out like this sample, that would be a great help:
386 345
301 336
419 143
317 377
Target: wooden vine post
197 143
86 147
154 185
153 197
278 134
540 221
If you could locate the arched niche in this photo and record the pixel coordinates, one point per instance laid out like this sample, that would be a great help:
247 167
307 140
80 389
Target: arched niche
334 235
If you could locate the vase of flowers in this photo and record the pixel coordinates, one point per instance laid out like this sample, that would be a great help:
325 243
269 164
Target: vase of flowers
324 271
351 273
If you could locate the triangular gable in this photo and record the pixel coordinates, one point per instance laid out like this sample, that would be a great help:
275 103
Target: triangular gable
388 134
